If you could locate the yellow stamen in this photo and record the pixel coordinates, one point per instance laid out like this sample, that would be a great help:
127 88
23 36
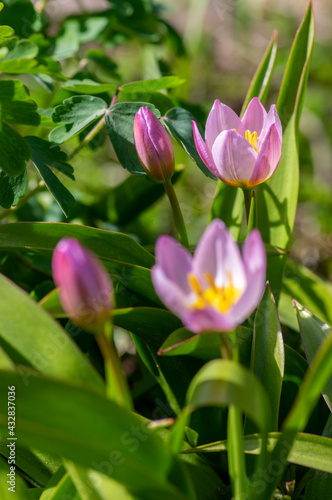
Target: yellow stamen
219 298
251 138
194 284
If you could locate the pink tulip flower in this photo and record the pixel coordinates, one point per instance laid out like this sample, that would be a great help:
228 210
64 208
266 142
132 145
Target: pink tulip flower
217 288
242 153
153 146
85 287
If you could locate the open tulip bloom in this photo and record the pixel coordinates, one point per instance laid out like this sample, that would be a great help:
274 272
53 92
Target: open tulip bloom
217 288
241 153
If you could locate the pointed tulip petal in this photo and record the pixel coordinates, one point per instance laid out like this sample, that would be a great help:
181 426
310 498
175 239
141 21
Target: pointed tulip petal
255 116
221 118
203 150
268 158
175 261
254 259
272 118
234 158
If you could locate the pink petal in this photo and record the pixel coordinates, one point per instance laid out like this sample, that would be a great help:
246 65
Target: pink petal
175 261
208 320
174 298
255 116
272 118
169 274
234 158
145 149
85 287
218 254
159 138
268 158
254 259
221 118
203 151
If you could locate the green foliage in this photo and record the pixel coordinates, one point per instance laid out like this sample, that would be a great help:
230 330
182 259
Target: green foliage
45 157
277 198
269 402
74 115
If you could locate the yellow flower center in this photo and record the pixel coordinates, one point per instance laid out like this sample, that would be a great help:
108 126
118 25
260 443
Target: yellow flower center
220 298
251 138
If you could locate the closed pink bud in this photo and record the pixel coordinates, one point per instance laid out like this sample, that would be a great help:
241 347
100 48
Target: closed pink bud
85 287
153 146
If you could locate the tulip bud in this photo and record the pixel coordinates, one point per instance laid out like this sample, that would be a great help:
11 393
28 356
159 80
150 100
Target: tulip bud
153 146
85 287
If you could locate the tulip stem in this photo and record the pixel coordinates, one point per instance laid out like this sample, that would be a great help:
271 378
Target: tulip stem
177 214
247 202
116 384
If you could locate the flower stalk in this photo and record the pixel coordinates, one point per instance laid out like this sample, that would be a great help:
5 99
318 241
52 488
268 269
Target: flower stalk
116 384
177 214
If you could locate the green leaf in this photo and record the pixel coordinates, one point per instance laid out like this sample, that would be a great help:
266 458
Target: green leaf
87 86
312 291
260 83
59 487
6 32
111 446
22 24
19 486
12 188
119 121
178 121
62 489
44 157
23 49
46 348
228 206
67 42
224 383
37 465
268 354
51 155
15 151
125 259
277 198
310 391
15 103
286 312
75 114
181 342
313 333
320 485
95 486
308 450
166 82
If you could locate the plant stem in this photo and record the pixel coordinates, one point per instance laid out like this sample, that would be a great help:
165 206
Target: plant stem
23 200
116 384
97 128
247 202
177 214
